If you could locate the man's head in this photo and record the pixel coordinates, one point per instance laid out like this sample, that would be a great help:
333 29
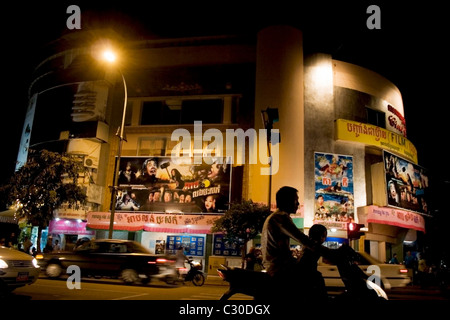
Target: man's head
287 199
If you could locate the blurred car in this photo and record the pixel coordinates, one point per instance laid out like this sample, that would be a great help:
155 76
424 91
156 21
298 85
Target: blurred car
17 269
392 275
124 259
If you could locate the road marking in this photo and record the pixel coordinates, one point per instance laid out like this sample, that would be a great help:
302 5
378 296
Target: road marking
213 296
130 297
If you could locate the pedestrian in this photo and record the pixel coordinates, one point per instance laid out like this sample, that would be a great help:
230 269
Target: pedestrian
56 246
48 246
409 260
422 270
27 245
12 241
394 259
411 264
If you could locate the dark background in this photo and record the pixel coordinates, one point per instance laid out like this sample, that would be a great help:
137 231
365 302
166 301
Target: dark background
409 50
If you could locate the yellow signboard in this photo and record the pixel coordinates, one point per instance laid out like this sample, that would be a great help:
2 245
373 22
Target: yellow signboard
368 134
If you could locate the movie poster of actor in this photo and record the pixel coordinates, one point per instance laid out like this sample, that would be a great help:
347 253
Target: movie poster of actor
160 185
406 183
334 199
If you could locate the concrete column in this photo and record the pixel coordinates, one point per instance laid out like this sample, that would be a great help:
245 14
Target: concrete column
319 121
279 84
382 251
374 249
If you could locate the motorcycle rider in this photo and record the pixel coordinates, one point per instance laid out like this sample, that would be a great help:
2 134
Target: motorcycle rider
310 277
180 260
277 231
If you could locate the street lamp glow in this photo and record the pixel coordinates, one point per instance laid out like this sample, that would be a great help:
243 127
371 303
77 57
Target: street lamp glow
102 51
109 56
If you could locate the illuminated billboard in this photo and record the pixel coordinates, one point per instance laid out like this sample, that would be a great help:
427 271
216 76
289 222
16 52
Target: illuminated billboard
406 183
334 199
157 184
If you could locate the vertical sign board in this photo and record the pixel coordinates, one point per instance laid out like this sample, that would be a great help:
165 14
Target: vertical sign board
334 199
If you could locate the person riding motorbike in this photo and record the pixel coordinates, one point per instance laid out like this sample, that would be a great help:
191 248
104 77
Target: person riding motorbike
311 279
180 260
277 231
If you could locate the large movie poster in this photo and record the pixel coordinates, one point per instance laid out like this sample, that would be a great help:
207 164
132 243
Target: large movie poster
157 184
406 183
334 200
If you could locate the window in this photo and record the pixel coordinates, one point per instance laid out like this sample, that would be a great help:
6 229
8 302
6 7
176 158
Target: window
375 117
208 111
158 112
186 112
148 146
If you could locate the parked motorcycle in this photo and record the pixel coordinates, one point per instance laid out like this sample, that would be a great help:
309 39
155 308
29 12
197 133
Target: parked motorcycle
257 284
194 274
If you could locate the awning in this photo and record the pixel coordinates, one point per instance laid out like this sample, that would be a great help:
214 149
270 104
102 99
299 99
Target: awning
8 216
391 216
155 222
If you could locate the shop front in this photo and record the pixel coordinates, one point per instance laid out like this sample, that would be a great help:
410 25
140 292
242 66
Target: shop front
67 232
388 228
161 233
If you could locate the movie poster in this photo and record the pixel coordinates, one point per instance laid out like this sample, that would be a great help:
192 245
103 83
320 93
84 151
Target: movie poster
334 200
406 183
157 184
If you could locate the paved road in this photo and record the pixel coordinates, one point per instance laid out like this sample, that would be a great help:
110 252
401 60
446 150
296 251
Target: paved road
107 289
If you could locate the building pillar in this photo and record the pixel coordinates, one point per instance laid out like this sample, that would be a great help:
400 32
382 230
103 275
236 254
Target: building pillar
374 249
319 119
279 84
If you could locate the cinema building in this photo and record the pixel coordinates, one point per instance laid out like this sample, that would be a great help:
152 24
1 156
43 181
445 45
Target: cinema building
192 104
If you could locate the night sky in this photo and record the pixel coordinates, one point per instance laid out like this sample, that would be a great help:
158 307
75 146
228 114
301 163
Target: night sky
408 49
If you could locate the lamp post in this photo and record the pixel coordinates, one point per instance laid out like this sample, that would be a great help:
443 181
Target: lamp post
110 57
272 116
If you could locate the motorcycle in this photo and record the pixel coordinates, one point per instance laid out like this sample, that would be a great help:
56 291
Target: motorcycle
194 274
166 274
257 284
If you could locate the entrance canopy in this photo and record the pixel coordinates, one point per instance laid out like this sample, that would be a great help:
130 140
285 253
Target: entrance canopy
8 216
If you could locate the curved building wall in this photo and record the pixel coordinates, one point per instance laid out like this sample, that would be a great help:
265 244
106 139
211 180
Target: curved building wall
337 92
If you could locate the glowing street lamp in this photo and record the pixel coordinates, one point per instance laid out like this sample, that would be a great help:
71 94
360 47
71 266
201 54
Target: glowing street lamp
110 57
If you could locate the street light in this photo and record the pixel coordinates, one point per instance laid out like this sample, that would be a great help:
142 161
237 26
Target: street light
272 116
110 57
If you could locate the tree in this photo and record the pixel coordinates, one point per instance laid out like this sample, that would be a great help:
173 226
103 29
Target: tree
242 222
43 184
